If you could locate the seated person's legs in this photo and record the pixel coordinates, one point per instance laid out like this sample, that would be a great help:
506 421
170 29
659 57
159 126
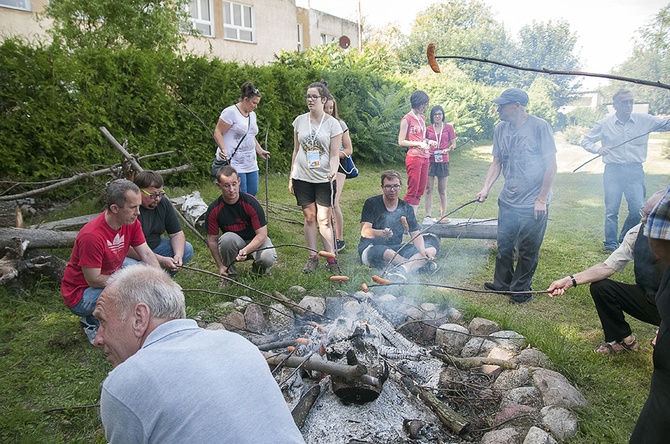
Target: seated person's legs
266 257
229 245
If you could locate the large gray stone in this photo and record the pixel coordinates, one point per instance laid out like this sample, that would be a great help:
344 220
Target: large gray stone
521 412
510 379
529 396
215 326
560 421
452 338
313 303
233 321
296 290
536 435
533 357
483 327
477 347
255 319
508 339
557 390
496 353
280 318
502 436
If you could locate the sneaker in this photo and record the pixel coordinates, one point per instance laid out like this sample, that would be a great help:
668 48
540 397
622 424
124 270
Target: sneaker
339 245
396 277
609 250
429 267
90 332
257 269
311 265
489 286
333 267
429 220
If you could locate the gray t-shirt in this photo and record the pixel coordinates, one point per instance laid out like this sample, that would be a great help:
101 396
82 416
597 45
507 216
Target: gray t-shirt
312 162
524 152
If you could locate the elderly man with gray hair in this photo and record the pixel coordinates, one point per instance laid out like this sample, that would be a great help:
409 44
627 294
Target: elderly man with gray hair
174 382
99 250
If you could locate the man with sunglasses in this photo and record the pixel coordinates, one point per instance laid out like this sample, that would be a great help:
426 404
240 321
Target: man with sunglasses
100 249
157 216
384 220
623 138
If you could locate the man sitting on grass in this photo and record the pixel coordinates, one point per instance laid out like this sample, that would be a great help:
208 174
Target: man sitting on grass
612 298
382 229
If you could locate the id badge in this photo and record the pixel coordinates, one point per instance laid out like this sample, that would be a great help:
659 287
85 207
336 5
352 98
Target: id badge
438 158
313 158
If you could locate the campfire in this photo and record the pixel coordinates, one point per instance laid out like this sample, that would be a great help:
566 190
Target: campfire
376 367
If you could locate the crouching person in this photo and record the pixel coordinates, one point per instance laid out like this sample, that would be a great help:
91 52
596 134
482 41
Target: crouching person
175 382
241 219
383 222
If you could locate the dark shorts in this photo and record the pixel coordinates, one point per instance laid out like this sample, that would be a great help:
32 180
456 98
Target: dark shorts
439 169
373 255
307 193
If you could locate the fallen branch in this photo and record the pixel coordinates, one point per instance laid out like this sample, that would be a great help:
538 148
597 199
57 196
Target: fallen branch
302 408
316 363
74 407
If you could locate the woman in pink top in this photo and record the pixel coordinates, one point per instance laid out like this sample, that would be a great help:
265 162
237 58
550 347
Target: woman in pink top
412 135
445 140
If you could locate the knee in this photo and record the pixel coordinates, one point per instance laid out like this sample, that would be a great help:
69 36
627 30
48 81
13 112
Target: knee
598 290
188 252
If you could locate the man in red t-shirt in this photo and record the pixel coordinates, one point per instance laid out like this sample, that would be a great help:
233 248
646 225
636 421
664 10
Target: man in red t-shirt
99 250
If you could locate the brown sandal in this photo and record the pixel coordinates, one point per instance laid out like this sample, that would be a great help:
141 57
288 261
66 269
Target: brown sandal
608 348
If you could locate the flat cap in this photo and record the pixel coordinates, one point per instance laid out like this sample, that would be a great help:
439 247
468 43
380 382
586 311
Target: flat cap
512 95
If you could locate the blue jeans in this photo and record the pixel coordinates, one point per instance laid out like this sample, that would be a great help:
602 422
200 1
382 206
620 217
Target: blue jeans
622 179
86 305
248 183
164 248
517 228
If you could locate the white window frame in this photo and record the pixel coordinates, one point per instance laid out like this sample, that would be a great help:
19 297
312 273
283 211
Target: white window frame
228 8
16 4
199 20
327 38
300 43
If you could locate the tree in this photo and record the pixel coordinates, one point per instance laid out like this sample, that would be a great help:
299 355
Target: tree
458 27
548 45
650 61
113 24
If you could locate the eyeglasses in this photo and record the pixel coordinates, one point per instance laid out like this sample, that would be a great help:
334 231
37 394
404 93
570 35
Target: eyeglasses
391 187
311 97
154 196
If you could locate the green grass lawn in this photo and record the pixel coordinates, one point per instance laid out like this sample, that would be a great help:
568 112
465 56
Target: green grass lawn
47 362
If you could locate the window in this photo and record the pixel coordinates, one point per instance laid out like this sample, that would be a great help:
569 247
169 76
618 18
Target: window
16 4
299 48
201 16
326 38
238 22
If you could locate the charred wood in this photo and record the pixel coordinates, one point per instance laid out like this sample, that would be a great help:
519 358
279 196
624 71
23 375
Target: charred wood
302 408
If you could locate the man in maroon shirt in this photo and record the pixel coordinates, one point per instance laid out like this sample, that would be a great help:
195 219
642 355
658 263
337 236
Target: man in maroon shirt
241 219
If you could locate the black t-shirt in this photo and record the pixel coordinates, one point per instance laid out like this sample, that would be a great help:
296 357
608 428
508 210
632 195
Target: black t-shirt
375 212
243 217
157 221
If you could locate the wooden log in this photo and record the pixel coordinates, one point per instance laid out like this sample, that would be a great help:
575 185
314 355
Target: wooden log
37 238
314 362
78 221
453 420
302 408
473 362
295 308
465 228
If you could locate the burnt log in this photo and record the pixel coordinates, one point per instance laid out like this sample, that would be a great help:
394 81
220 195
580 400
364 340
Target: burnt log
450 418
37 238
314 362
301 411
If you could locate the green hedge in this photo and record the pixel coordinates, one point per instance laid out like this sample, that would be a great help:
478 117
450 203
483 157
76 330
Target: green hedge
52 103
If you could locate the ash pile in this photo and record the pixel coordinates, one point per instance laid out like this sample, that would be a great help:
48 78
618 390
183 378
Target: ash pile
380 368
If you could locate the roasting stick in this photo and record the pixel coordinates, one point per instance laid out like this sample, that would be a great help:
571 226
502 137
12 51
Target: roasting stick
382 282
321 253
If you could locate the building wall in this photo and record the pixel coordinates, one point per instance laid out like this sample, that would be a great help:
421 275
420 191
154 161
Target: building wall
275 29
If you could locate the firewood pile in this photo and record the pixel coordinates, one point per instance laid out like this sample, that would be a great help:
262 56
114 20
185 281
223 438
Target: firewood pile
377 367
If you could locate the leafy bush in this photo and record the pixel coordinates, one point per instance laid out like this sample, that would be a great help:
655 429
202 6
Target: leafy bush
574 134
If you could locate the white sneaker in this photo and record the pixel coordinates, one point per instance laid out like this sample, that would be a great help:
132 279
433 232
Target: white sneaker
429 220
91 331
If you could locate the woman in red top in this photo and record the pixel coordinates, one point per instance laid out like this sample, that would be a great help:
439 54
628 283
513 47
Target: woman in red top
445 140
412 135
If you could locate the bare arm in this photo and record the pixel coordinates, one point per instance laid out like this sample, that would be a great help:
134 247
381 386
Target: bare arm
549 175
335 144
346 141
219 131
94 277
420 246
147 255
491 177
594 274
255 244
371 233
213 244
260 151
296 147
402 138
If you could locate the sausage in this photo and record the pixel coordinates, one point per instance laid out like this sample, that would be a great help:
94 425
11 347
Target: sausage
405 225
364 287
303 341
339 278
432 61
291 349
380 280
326 254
